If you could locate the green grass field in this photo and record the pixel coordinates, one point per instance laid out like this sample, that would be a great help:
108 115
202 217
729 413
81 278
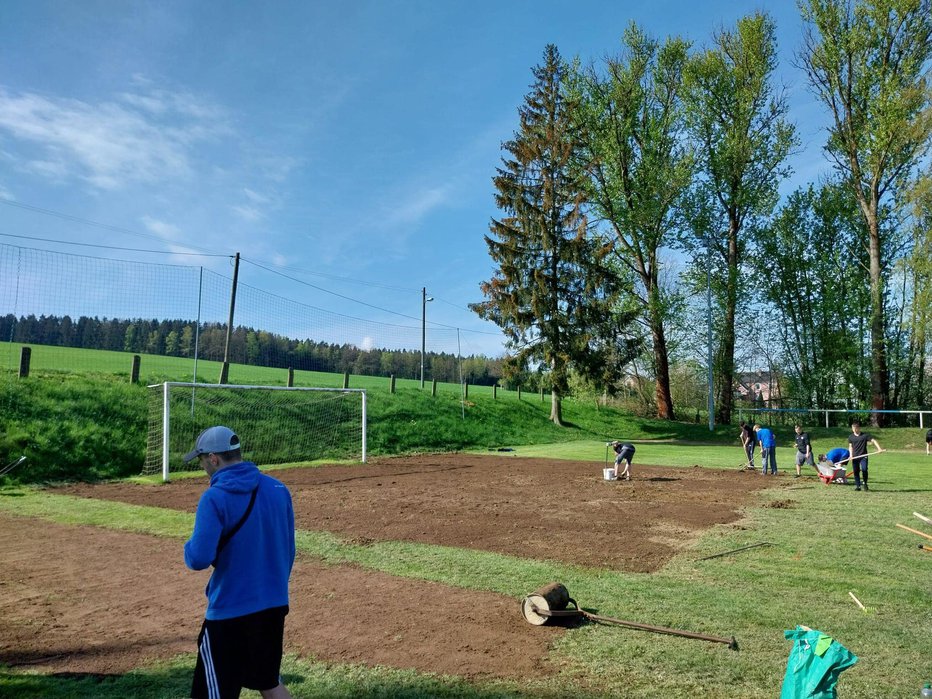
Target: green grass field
825 542
157 368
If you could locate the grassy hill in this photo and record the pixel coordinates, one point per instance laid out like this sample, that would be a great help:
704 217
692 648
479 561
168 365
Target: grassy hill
76 416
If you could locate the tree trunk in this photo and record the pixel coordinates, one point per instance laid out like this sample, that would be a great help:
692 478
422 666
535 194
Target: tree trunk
558 389
726 383
556 408
879 375
663 396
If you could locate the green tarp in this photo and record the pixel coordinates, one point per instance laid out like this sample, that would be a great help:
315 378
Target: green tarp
815 663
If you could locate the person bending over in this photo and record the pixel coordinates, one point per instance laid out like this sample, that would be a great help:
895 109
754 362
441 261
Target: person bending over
748 442
768 449
624 453
833 464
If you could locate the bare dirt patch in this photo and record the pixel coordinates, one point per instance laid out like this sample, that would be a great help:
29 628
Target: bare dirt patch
546 509
87 600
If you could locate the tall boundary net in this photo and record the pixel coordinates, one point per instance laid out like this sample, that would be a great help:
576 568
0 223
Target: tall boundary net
276 424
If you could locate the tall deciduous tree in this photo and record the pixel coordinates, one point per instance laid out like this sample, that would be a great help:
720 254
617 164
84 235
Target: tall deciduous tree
818 292
743 140
919 266
552 293
639 168
868 62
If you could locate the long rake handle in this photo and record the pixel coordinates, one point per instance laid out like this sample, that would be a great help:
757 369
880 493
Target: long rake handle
915 531
873 453
743 548
730 642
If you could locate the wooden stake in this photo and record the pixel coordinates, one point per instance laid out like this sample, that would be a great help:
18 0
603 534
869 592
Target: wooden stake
857 601
915 531
923 518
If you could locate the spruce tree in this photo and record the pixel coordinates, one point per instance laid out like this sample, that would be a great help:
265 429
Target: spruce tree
552 292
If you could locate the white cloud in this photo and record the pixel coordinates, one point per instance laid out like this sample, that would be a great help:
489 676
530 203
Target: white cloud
48 169
255 197
367 343
248 213
414 206
144 137
163 230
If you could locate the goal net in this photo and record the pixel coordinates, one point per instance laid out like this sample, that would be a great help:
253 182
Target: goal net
277 425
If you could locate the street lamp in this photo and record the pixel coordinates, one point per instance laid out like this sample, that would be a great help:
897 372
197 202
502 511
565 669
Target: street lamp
424 299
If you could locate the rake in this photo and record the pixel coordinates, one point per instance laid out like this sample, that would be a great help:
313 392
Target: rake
9 467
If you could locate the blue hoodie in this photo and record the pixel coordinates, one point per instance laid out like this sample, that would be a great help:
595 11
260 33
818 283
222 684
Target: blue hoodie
766 438
252 571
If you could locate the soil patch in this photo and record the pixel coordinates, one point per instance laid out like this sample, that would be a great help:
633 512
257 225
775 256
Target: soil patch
532 508
86 600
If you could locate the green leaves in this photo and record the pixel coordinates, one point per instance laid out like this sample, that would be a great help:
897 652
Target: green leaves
552 290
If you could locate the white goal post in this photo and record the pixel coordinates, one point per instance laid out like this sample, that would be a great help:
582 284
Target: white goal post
276 424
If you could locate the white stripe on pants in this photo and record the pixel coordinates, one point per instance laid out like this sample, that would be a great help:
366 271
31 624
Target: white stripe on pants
213 690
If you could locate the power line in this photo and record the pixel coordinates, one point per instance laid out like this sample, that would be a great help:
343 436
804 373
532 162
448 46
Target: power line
127 231
84 221
112 247
269 267
327 291
348 298
339 278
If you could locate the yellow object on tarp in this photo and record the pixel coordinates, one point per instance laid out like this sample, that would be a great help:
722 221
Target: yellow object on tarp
815 663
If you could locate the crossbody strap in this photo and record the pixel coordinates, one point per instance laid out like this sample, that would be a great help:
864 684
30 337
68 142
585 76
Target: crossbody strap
225 539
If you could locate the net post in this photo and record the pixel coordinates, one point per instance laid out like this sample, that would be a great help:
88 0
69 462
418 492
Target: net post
364 420
165 428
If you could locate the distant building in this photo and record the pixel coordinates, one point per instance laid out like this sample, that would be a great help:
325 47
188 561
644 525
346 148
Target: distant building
758 387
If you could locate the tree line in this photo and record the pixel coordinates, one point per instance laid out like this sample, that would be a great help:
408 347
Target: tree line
176 338
669 150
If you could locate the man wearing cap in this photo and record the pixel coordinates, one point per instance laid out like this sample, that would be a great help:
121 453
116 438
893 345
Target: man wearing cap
244 528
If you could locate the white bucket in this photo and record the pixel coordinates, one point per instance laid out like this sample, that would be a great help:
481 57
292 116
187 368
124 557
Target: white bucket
608 474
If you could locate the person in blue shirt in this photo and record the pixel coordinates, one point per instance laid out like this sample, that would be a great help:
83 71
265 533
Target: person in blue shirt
768 449
244 528
832 465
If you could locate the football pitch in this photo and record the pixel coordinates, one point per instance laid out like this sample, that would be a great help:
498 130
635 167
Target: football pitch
411 572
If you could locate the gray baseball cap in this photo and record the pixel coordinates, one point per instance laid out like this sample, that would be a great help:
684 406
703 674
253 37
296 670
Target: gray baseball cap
213 440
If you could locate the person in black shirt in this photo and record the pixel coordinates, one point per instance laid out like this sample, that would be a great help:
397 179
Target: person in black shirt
857 445
803 449
748 442
928 440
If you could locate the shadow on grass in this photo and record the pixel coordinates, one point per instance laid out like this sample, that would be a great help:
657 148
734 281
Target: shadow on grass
152 684
314 680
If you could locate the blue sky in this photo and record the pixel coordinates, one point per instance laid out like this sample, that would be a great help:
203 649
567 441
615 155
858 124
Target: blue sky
352 143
